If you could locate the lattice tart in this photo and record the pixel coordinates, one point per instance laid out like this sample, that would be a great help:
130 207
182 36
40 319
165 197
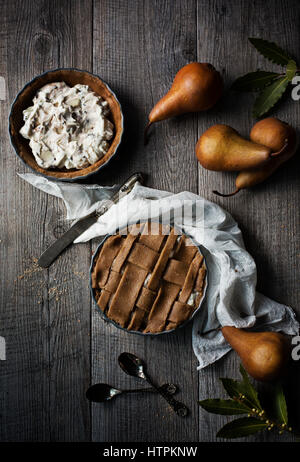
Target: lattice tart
148 278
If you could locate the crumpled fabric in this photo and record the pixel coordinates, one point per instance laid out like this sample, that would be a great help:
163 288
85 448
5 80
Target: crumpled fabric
231 298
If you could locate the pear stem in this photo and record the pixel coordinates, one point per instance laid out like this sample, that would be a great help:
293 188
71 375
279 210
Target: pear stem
227 195
146 133
277 153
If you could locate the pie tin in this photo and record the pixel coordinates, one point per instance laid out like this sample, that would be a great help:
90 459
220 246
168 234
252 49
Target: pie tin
14 136
150 334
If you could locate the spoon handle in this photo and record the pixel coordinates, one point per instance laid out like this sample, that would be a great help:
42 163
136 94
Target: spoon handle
169 388
180 408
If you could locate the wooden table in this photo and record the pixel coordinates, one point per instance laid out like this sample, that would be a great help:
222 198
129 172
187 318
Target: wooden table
57 344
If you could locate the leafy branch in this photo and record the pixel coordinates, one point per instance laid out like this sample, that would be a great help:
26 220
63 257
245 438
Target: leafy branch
244 399
270 85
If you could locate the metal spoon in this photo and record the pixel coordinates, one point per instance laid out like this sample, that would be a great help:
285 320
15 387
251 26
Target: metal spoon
101 392
134 366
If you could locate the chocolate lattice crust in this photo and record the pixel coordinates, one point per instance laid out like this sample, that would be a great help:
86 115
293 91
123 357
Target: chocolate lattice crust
148 278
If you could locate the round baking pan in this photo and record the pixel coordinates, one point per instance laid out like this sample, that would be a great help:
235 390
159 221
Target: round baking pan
71 77
106 318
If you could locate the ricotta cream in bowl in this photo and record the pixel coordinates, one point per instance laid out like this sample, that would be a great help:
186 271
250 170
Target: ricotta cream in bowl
66 124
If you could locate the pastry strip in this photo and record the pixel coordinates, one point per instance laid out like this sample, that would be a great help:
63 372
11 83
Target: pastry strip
163 303
146 299
136 320
179 313
107 254
143 257
143 305
127 292
124 251
103 300
176 272
113 281
152 236
185 252
190 278
162 261
200 279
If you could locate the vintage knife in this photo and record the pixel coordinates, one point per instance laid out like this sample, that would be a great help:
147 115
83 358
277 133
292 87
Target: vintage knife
84 223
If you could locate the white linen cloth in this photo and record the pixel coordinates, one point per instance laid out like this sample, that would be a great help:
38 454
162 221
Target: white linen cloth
231 297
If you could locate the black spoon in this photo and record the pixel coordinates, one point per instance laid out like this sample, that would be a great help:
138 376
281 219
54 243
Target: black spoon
134 366
101 392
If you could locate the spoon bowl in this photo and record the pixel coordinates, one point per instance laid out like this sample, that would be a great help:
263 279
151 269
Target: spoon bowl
101 392
132 365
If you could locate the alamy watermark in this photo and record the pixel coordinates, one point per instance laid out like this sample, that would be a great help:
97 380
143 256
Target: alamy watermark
2 89
2 349
296 90
296 349
185 215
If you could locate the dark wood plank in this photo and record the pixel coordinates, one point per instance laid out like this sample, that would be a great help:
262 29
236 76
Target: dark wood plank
45 315
138 53
24 373
267 214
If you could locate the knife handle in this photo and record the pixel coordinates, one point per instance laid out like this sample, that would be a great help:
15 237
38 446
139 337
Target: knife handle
84 223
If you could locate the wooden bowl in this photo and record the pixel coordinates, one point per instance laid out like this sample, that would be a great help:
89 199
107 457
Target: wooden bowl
71 77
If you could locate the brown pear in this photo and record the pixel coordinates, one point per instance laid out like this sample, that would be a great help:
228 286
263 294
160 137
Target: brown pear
196 87
278 136
264 354
221 148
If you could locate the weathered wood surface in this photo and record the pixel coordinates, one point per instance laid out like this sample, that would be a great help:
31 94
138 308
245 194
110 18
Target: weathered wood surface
57 343
45 315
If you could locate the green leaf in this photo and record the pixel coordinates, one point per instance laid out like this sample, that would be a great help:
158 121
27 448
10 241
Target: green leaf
251 393
291 69
271 51
280 405
233 387
241 427
224 406
269 96
254 81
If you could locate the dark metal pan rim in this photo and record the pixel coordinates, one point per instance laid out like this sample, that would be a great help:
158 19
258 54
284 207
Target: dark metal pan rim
107 319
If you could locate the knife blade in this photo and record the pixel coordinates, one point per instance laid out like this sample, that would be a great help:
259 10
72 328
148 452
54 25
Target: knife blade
84 223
